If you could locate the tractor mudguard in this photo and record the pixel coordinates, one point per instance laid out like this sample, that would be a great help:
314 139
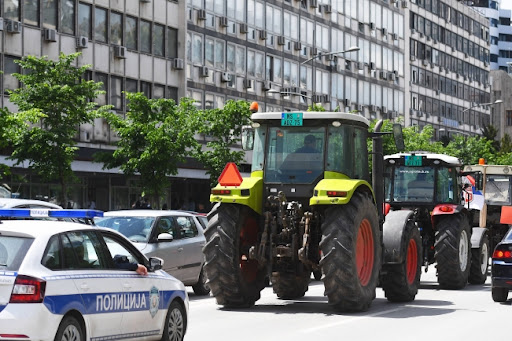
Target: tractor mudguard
477 235
249 193
392 233
338 191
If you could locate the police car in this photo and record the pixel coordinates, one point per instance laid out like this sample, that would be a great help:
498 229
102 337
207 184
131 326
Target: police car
67 281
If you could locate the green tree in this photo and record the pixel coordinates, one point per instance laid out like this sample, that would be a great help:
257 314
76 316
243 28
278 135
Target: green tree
223 131
155 137
64 100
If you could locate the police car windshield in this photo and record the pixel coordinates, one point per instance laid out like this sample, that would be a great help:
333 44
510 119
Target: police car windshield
137 229
12 251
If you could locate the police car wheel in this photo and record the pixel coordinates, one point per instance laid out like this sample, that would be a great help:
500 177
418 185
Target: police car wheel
175 323
69 330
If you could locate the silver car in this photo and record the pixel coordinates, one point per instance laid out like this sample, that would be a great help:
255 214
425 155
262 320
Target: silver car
175 236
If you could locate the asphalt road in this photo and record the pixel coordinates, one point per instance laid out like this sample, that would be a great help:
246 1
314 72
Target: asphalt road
468 314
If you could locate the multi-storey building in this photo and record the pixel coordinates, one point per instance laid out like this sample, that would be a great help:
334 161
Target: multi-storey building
423 62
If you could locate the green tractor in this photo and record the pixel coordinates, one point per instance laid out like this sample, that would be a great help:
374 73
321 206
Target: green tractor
307 206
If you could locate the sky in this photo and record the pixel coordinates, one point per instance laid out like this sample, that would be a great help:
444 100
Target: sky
506 4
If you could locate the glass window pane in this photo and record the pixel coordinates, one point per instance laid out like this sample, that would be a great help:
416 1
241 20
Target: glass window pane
67 19
208 52
11 9
219 54
230 58
130 31
84 20
240 59
100 25
116 28
31 12
172 42
10 82
116 98
145 36
102 98
158 40
158 91
50 14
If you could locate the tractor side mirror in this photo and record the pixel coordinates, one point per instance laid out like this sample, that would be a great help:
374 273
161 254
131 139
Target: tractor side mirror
399 137
247 138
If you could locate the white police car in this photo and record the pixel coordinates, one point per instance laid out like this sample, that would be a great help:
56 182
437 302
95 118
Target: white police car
59 281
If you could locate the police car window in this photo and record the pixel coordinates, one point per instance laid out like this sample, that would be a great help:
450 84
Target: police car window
119 253
12 251
52 255
187 227
82 250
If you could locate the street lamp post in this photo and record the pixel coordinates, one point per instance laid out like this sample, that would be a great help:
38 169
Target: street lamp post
288 93
498 101
350 49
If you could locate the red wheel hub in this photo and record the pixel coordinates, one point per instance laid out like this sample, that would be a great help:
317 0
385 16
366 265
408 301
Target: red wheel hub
412 261
365 252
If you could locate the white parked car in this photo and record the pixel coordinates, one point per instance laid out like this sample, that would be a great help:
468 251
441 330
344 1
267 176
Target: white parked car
26 203
67 281
175 236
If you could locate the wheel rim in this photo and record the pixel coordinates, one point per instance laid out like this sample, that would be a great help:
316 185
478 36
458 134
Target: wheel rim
484 261
463 250
412 261
71 333
176 325
248 238
364 252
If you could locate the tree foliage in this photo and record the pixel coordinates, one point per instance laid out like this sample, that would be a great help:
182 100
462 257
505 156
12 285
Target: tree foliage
155 137
56 98
222 129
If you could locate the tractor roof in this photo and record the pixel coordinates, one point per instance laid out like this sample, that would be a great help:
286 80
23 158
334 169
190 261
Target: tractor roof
490 169
313 115
451 160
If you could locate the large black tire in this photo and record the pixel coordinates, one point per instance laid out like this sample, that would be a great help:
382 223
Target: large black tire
201 288
400 282
235 280
290 286
452 251
479 262
499 294
70 329
175 323
351 253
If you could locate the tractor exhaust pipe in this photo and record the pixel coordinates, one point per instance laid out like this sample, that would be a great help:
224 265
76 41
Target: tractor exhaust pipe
378 170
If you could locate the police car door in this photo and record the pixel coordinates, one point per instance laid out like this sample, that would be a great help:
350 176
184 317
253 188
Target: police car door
86 262
142 316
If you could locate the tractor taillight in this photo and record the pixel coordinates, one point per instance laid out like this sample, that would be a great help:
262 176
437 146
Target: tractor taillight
336 193
446 209
221 191
28 290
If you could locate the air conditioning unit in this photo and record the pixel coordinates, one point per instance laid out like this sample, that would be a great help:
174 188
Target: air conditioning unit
317 98
178 64
371 108
266 85
325 99
226 77
263 35
346 102
413 31
405 4
428 38
383 74
466 55
281 40
421 34
384 110
244 28
313 51
50 35
394 36
419 113
120 52
247 83
203 71
412 58
425 62
81 42
313 3
359 107
327 8
434 41
384 31
372 66
391 76
13 26
201 14
223 21
437 92
360 66
372 26
297 46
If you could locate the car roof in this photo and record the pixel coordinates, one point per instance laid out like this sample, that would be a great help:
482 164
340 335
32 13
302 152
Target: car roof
40 228
145 213
14 202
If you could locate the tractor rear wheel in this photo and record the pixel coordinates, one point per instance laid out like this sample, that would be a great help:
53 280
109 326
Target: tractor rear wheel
400 282
290 286
351 253
452 251
479 262
235 280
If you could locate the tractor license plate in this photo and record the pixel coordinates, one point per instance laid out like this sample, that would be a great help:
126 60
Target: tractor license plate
291 119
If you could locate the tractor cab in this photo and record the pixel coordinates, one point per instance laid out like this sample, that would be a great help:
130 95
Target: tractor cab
421 179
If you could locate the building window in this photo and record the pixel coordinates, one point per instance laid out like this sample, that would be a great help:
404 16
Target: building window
67 12
509 117
145 88
158 40
158 91
172 93
130 30
145 36
116 92
102 98
50 14
31 12
10 82
100 25
172 42
11 10
84 20
116 28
